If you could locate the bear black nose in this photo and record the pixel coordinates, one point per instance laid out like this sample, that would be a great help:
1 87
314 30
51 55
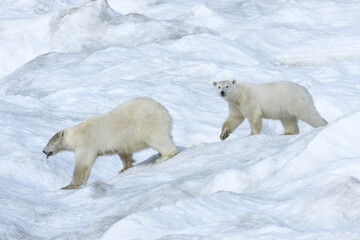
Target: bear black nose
222 93
48 153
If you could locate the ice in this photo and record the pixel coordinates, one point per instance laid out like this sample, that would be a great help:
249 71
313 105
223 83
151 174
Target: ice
84 27
66 61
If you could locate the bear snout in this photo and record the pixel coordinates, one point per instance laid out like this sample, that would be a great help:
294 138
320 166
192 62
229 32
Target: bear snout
223 94
48 154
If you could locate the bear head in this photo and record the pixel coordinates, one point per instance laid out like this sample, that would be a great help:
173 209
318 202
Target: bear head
55 144
224 88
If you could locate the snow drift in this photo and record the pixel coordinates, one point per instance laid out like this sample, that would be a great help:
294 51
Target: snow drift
66 61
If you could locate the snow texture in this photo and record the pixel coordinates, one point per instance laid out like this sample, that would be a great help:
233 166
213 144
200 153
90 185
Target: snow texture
65 61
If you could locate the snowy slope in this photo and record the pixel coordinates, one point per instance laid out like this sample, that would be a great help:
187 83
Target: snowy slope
65 61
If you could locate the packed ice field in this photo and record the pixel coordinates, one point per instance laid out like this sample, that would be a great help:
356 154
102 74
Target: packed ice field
63 62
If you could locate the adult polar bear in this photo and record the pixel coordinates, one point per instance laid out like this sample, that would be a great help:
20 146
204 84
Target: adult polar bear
133 126
286 101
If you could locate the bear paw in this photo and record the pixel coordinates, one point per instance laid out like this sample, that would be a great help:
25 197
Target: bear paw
70 186
123 170
225 133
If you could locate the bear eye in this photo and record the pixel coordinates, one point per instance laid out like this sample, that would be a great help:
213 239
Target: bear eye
219 87
227 86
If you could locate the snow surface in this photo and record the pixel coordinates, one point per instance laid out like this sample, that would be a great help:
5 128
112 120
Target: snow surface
64 61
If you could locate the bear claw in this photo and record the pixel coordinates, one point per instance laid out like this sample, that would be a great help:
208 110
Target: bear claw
224 135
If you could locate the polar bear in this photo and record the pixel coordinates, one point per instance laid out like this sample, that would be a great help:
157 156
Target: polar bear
132 126
286 101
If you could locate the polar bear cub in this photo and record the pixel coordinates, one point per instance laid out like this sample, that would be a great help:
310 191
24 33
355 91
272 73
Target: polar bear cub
286 101
133 126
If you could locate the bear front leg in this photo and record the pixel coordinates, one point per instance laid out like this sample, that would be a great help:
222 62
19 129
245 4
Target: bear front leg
83 164
290 125
127 161
255 124
225 132
231 123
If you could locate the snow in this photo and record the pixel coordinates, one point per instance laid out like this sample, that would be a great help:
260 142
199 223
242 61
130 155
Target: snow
65 61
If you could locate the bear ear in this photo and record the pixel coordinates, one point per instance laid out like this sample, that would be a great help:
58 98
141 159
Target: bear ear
62 133
214 83
233 81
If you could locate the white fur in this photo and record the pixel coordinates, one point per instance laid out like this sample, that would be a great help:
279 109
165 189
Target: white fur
133 126
286 101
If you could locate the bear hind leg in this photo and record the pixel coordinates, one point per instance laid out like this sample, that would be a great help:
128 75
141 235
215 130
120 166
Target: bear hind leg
290 125
163 157
313 118
165 147
127 161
